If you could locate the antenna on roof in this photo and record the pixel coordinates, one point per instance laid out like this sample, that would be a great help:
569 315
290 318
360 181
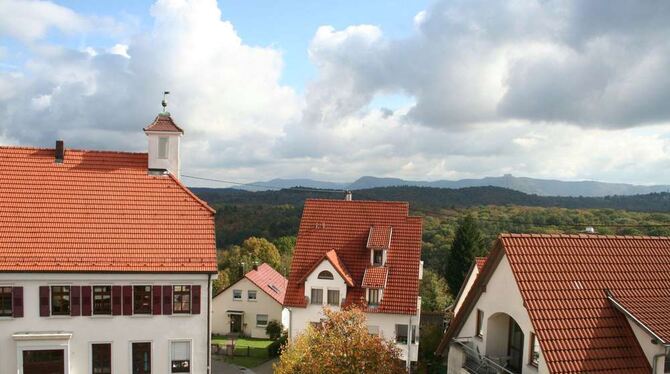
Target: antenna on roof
164 102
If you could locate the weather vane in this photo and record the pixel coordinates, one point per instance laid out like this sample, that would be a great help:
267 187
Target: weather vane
164 102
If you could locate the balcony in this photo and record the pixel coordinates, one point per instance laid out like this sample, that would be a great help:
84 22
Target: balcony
464 357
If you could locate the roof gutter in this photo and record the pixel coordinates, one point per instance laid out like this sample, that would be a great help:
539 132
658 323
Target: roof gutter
628 314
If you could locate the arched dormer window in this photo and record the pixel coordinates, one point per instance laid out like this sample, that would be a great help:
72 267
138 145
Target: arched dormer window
325 275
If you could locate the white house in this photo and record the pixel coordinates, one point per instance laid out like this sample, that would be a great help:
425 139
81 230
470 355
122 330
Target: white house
246 306
358 252
470 278
566 304
106 261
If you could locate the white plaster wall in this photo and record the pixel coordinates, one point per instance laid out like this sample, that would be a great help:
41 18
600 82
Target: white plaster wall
468 285
119 330
264 304
172 163
650 349
337 283
502 296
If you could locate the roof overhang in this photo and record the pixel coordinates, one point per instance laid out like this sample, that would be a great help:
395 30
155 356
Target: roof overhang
235 312
42 335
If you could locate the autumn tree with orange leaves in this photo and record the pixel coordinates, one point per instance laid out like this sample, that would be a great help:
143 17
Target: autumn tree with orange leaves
340 345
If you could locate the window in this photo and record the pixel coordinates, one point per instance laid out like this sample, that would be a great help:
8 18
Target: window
373 297
534 358
261 320
377 258
102 300
181 299
667 363
401 334
251 295
142 299
325 275
163 148
237 295
60 300
334 297
479 331
180 353
39 360
141 358
317 296
101 358
6 302
373 330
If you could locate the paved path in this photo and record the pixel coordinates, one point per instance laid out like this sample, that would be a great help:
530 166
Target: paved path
220 367
265 368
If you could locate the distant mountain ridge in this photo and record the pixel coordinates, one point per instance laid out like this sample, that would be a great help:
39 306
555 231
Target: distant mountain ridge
542 187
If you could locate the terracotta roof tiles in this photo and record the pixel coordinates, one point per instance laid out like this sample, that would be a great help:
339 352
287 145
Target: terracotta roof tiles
375 277
98 211
163 123
269 280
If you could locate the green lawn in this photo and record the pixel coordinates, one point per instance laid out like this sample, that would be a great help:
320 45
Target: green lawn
256 348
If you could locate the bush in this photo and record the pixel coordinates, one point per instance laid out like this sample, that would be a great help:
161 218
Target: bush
275 348
274 329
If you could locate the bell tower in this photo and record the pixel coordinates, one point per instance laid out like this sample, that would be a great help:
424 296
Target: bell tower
163 137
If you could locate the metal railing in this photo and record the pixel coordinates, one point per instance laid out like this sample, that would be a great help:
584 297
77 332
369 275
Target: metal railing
477 363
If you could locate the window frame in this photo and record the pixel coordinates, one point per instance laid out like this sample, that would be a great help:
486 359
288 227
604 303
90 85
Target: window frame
666 364
190 355
532 361
93 310
62 296
237 298
149 306
91 356
163 147
181 293
338 300
151 353
311 296
255 298
325 275
374 257
479 328
3 298
406 337
375 292
267 320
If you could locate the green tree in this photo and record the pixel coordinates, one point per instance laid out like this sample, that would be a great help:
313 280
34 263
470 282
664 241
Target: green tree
468 244
239 259
285 245
435 294
274 329
341 344
430 338
222 281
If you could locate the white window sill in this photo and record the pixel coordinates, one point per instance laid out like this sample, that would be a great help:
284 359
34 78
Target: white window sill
101 316
6 318
59 317
179 314
251 300
141 315
237 299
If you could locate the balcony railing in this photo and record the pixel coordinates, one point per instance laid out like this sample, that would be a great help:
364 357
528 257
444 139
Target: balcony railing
477 363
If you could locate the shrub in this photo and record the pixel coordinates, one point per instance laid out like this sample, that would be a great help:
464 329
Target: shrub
274 329
275 348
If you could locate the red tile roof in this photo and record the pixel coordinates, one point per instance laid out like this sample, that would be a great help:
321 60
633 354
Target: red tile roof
479 262
375 277
163 123
98 211
564 281
380 237
270 281
344 226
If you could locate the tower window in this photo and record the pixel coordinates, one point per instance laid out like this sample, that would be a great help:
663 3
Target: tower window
163 148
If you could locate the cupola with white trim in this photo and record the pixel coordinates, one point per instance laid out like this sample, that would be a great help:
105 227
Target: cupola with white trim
164 137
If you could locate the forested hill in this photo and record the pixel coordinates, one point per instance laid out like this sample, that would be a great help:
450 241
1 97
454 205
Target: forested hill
427 198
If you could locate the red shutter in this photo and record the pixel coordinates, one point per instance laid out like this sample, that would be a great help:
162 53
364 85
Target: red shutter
17 302
44 301
75 301
127 300
167 300
195 301
157 300
116 300
85 300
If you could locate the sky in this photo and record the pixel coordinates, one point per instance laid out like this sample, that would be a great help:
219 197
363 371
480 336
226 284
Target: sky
334 90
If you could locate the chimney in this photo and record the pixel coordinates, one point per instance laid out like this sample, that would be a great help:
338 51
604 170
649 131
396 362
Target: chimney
255 266
590 230
347 195
60 152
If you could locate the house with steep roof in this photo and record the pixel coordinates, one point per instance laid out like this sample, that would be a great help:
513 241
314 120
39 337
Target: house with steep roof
106 261
566 304
246 306
472 274
363 253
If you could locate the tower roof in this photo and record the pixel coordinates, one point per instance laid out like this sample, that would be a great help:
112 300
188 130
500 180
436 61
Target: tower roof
164 123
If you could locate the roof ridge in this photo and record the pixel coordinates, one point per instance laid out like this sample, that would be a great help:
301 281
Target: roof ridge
29 148
361 201
581 236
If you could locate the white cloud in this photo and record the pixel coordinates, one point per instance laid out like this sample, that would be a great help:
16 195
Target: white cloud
31 19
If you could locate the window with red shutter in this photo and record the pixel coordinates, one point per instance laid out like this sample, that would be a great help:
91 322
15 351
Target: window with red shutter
116 300
17 302
6 301
75 306
44 301
195 308
167 300
85 300
127 300
157 300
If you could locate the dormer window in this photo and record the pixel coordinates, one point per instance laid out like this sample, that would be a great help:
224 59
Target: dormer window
325 275
377 258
